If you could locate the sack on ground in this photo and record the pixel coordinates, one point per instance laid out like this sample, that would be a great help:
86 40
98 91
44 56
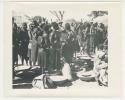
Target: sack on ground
48 83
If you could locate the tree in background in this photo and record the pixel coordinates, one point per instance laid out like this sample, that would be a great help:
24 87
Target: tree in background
58 14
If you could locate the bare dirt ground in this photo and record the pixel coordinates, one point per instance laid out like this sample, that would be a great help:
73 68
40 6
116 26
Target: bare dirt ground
24 77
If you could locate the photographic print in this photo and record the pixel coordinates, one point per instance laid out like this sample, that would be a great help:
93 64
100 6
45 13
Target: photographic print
60 46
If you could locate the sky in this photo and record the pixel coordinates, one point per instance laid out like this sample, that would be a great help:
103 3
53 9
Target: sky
43 9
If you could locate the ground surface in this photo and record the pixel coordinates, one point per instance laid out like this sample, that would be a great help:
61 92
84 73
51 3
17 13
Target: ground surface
24 77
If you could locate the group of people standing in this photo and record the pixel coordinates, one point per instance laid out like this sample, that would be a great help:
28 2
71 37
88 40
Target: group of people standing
43 43
90 36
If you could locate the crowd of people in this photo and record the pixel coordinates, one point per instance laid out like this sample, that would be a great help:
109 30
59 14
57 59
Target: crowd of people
44 44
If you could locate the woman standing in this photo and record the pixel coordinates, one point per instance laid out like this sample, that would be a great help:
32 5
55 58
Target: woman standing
24 41
68 48
31 27
41 53
34 47
56 45
47 43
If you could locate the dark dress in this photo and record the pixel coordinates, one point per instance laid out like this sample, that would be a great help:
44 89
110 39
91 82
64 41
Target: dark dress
68 48
24 41
56 45
47 46
51 59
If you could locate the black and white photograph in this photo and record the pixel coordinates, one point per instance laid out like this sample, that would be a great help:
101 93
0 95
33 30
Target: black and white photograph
59 49
62 49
